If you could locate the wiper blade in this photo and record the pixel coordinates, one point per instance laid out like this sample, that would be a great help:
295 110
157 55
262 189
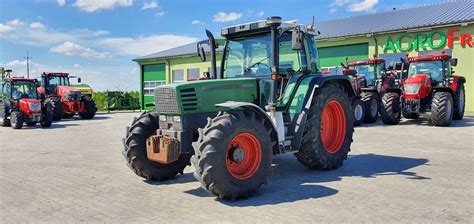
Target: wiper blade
256 63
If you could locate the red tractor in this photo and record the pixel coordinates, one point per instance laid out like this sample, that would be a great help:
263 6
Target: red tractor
430 86
367 81
20 104
66 100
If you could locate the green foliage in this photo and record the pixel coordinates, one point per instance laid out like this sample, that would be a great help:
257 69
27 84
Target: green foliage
100 98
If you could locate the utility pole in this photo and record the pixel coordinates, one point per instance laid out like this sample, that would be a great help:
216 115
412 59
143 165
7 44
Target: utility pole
28 64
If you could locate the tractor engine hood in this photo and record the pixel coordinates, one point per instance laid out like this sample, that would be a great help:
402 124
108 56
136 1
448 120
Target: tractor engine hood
417 86
29 106
65 90
202 96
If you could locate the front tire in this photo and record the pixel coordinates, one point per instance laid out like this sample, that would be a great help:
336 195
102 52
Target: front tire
47 116
328 130
390 108
135 150
359 111
89 110
16 119
459 103
57 107
371 101
442 109
233 154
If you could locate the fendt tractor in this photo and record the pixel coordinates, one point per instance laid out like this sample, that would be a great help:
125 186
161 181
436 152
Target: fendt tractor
67 100
268 99
370 76
20 103
430 86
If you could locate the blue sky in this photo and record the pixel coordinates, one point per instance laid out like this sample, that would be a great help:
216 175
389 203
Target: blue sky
97 39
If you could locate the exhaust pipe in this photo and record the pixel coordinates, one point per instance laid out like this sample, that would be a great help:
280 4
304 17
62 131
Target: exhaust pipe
212 46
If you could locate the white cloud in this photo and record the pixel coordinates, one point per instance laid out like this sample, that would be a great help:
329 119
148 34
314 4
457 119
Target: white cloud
162 13
195 22
150 5
366 5
95 5
226 17
37 25
69 48
353 5
145 45
61 2
15 22
77 65
261 13
5 28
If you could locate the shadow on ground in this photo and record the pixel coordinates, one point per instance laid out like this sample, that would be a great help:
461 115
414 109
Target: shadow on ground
424 120
293 182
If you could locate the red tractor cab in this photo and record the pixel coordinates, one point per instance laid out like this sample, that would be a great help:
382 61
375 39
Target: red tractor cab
20 104
66 100
367 84
430 86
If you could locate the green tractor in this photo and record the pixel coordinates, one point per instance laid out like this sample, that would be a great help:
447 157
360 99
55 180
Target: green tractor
269 98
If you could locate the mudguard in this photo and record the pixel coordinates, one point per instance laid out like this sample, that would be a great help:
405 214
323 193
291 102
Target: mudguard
247 106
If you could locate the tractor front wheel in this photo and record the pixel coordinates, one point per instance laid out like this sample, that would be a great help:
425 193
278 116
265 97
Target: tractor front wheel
89 110
135 150
390 108
233 154
16 119
442 109
47 116
328 130
359 110
371 101
57 107
459 105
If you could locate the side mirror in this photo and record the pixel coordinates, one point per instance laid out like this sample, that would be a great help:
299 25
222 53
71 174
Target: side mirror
454 61
207 75
79 80
201 53
297 39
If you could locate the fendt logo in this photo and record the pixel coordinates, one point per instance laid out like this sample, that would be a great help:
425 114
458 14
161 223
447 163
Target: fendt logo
433 40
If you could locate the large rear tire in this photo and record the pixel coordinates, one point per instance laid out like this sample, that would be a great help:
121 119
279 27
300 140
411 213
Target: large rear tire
371 102
459 103
57 107
328 130
16 119
47 115
359 111
442 109
233 154
135 150
89 110
6 121
390 108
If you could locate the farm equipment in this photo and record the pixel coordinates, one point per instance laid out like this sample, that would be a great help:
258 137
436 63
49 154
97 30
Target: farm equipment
20 103
121 100
430 86
358 105
269 98
66 100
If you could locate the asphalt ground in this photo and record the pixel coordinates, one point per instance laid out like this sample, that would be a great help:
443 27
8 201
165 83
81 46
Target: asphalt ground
75 172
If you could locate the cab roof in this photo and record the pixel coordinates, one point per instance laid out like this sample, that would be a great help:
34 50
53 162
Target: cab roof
368 61
13 79
54 74
432 57
260 26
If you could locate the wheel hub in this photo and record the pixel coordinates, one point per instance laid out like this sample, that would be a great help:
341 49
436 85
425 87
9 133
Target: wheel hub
358 112
238 155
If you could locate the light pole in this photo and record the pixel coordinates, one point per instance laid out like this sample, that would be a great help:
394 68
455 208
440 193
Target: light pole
28 64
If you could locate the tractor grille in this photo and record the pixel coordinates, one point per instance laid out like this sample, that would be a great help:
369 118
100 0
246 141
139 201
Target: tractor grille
165 100
189 99
73 96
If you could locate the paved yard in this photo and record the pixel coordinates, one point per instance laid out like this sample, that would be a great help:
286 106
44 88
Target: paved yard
75 172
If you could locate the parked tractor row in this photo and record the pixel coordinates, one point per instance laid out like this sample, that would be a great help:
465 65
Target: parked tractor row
29 101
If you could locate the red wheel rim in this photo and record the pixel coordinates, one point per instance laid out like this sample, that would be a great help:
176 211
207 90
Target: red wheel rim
243 156
333 127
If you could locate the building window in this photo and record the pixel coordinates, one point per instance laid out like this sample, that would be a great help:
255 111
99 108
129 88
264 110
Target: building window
178 75
217 68
149 87
193 73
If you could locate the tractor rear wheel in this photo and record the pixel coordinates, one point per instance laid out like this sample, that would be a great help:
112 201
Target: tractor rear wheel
57 107
459 105
16 119
6 122
442 109
89 110
233 154
390 108
371 101
358 107
47 116
328 130
411 115
135 150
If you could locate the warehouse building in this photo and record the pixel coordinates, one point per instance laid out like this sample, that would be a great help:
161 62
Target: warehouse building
391 34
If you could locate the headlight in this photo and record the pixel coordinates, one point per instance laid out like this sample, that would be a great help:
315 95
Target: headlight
162 118
412 88
34 106
176 119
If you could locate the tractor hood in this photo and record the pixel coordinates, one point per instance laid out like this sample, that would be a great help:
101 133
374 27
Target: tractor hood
416 79
29 106
202 96
63 90
417 86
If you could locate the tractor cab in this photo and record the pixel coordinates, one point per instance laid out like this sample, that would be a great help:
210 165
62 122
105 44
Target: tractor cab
55 82
437 68
370 69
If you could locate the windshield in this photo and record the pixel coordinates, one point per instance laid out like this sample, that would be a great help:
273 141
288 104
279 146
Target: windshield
250 57
24 89
432 68
58 80
369 72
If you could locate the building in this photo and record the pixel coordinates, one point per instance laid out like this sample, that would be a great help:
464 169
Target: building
391 34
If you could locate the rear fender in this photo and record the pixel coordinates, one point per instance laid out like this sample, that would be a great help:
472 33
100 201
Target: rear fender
456 82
